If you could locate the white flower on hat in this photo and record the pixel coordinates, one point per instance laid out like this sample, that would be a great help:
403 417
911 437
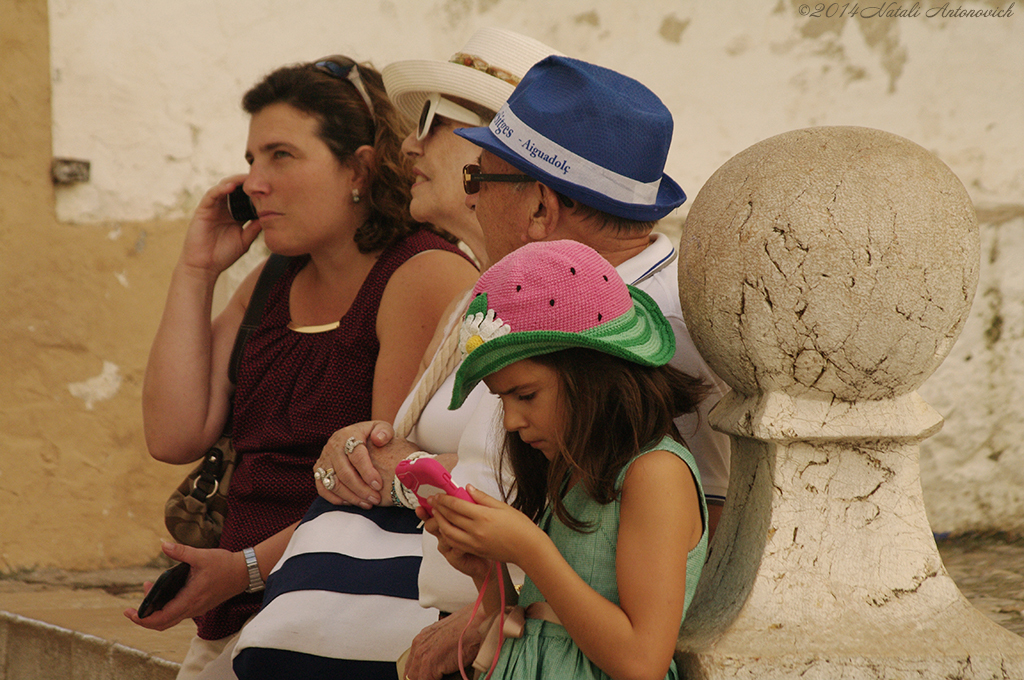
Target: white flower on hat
479 328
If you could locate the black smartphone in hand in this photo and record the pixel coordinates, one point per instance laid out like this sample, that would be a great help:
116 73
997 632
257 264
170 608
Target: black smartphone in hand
240 206
165 588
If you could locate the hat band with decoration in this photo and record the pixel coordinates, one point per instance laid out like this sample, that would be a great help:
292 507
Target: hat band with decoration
480 64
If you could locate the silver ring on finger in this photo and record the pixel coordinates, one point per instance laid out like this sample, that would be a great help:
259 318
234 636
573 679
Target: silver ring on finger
319 474
350 445
329 480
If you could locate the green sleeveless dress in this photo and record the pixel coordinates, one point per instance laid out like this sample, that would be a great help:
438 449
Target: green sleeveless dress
546 650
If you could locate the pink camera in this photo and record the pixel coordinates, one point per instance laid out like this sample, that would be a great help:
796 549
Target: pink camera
426 477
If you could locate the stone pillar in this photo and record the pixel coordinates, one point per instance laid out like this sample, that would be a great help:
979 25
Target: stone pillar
824 274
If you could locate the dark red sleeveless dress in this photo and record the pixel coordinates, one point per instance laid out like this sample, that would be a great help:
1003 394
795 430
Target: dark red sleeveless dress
294 391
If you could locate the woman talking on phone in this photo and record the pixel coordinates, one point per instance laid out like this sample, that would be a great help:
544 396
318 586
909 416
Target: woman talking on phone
340 339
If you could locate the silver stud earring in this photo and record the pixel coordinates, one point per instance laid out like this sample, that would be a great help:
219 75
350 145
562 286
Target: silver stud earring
355 195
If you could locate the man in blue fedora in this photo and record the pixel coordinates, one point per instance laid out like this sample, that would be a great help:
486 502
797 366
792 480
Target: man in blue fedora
588 133
578 152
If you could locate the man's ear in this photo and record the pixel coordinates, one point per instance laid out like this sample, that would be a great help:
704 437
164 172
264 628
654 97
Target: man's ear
544 219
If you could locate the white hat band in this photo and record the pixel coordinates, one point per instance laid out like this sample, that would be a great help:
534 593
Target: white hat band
541 152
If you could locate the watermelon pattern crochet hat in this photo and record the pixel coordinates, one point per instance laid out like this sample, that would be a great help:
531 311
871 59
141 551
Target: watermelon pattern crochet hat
553 295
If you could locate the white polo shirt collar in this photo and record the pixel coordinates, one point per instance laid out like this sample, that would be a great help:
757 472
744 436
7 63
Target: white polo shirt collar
655 257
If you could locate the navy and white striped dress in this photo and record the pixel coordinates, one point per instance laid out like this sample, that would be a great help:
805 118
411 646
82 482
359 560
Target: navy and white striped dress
339 614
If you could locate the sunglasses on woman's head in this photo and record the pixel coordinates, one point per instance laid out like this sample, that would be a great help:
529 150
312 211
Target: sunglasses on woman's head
344 68
436 105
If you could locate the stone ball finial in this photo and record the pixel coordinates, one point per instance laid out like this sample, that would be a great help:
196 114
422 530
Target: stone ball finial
830 262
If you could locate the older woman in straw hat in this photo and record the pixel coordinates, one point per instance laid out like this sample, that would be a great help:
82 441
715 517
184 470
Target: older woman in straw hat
442 96
315 623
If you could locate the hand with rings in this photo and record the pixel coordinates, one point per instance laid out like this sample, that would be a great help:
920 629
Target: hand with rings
326 477
363 456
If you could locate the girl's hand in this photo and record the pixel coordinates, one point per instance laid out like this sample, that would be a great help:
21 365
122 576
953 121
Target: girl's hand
214 241
488 529
470 565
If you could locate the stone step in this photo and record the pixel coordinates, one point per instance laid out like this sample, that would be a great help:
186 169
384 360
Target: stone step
31 650
59 626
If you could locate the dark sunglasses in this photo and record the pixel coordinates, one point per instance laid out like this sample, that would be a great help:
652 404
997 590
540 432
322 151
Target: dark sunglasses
344 68
436 105
471 178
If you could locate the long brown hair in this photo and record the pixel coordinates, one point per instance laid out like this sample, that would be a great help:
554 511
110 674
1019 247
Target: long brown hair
613 410
345 124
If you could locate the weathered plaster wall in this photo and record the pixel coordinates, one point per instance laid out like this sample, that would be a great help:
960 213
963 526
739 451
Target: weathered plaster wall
77 488
148 93
972 471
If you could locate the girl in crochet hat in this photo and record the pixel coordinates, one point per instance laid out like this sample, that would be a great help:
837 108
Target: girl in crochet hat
607 516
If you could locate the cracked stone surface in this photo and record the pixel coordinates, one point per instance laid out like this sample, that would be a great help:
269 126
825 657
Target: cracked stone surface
838 261
825 274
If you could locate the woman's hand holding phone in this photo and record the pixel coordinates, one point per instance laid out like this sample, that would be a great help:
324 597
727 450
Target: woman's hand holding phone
165 588
214 575
214 239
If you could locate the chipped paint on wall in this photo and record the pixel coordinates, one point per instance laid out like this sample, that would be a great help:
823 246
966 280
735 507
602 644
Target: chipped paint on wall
99 387
731 76
672 28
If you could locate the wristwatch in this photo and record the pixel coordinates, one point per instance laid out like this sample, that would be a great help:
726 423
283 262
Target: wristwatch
256 583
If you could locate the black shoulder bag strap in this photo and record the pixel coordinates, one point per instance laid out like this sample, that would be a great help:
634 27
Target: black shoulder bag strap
213 463
272 270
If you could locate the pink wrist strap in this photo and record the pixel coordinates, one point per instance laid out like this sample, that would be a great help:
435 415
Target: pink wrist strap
495 567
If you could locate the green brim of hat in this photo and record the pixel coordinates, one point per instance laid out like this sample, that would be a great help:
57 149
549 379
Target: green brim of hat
642 336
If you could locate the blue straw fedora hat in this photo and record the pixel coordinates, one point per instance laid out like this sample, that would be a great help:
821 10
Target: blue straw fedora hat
589 133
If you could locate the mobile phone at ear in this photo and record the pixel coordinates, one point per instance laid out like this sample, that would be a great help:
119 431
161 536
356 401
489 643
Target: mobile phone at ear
165 588
425 477
240 206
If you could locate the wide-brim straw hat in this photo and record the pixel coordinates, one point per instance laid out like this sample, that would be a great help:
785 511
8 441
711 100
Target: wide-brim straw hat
552 295
591 134
484 72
